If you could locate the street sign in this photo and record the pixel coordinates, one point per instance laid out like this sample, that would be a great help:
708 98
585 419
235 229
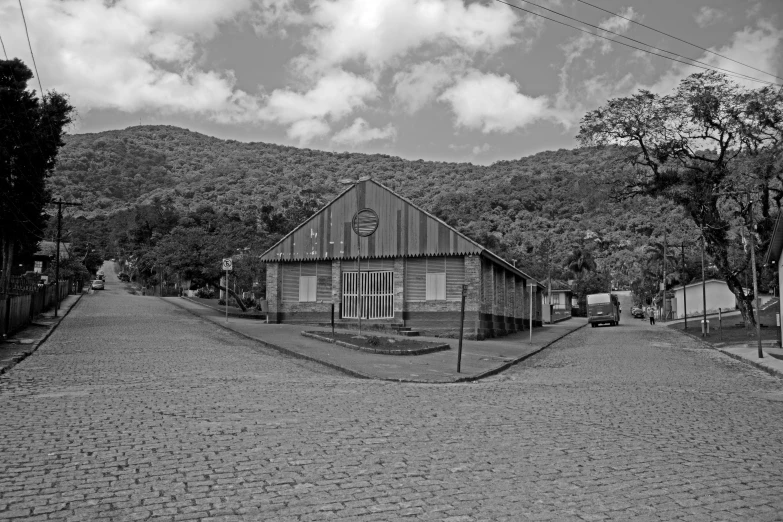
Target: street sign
227 265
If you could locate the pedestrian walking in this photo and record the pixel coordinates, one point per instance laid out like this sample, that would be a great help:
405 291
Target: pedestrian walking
651 311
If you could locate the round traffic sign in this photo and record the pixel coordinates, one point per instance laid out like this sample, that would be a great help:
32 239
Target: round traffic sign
365 222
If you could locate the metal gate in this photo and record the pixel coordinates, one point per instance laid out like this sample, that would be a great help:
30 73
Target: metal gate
377 295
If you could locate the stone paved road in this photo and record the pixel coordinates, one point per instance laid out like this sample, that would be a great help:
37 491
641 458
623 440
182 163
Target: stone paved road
136 410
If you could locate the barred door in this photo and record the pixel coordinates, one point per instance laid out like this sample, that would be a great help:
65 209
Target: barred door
377 295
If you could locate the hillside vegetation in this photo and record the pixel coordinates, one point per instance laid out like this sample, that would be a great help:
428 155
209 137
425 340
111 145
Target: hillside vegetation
536 210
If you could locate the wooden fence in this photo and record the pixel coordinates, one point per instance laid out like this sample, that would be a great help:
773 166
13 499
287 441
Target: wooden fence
22 304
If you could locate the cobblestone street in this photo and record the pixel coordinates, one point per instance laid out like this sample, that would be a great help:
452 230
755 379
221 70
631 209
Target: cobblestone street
136 410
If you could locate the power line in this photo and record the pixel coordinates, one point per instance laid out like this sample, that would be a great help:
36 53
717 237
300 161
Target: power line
1 43
643 43
679 39
705 67
37 76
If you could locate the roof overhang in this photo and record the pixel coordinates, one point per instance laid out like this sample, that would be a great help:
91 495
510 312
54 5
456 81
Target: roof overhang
511 268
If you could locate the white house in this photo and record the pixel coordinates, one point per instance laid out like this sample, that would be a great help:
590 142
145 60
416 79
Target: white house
774 253
718 296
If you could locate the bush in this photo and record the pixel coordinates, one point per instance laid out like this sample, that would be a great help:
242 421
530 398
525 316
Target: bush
373 340
205 293
221 302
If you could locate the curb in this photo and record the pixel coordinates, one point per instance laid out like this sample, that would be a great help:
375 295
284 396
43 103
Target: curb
422 351
505 366
221 310
33 347
285 351
359 375
772 371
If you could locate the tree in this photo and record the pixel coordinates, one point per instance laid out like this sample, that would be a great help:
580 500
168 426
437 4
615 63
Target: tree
708 147
31 133
579 261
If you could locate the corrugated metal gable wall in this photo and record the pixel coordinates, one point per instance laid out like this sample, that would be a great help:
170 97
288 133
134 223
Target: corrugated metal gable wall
403 230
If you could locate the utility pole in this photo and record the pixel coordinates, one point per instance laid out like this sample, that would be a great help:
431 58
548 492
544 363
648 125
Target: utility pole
59 204
703 288
755 279
664 274
684 299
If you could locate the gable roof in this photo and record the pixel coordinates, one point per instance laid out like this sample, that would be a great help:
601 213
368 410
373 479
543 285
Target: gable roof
404 229
49 249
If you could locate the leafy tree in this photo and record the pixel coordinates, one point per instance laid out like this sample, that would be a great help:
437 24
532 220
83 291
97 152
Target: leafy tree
579 261
31 133
705 148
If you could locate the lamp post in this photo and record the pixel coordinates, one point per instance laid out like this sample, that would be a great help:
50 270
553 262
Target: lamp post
363 224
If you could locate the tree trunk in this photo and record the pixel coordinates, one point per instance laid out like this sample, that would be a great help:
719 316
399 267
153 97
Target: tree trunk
8 262
718 251
234 295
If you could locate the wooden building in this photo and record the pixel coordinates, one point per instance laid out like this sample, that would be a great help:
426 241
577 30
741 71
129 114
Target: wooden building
413 268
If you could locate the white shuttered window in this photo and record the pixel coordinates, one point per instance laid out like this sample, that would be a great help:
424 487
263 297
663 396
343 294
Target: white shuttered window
307 286
436 287
307 281
434 278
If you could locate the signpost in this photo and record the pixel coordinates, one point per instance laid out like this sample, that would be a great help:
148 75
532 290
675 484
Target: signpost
364 224
532 285
227 266
461 326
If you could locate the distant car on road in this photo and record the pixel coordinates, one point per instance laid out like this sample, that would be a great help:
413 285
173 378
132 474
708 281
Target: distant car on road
97 284
124 277
637 312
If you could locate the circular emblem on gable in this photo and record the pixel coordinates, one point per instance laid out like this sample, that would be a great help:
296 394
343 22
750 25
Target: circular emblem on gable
365 222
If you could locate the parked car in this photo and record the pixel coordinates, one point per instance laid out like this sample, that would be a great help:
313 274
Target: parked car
97 284
124 277
637 312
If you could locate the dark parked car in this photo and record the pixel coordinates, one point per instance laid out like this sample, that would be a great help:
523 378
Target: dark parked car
124 277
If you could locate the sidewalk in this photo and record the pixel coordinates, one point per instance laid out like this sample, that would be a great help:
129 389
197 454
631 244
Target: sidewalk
749 352
479 358
21 344
746 351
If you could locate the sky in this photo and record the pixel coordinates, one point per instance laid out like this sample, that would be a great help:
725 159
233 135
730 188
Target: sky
446 80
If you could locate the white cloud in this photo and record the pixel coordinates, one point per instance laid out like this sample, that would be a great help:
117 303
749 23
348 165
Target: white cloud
708 16
378 32
418 85
307 130
569 96
759 47
481 149
492 103
276 14
753 10
334 96
360 132
133 55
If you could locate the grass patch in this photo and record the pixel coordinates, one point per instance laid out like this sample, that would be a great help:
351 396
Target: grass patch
733 328
383 343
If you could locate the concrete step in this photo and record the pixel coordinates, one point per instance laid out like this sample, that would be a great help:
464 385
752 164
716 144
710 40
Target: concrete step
409 333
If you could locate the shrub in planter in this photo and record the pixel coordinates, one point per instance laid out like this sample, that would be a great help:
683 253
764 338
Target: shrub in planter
221 302
373 340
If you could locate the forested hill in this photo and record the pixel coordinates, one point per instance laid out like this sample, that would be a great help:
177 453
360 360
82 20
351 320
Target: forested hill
510 206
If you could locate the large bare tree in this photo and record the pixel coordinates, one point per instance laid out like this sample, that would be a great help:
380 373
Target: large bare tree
711 147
